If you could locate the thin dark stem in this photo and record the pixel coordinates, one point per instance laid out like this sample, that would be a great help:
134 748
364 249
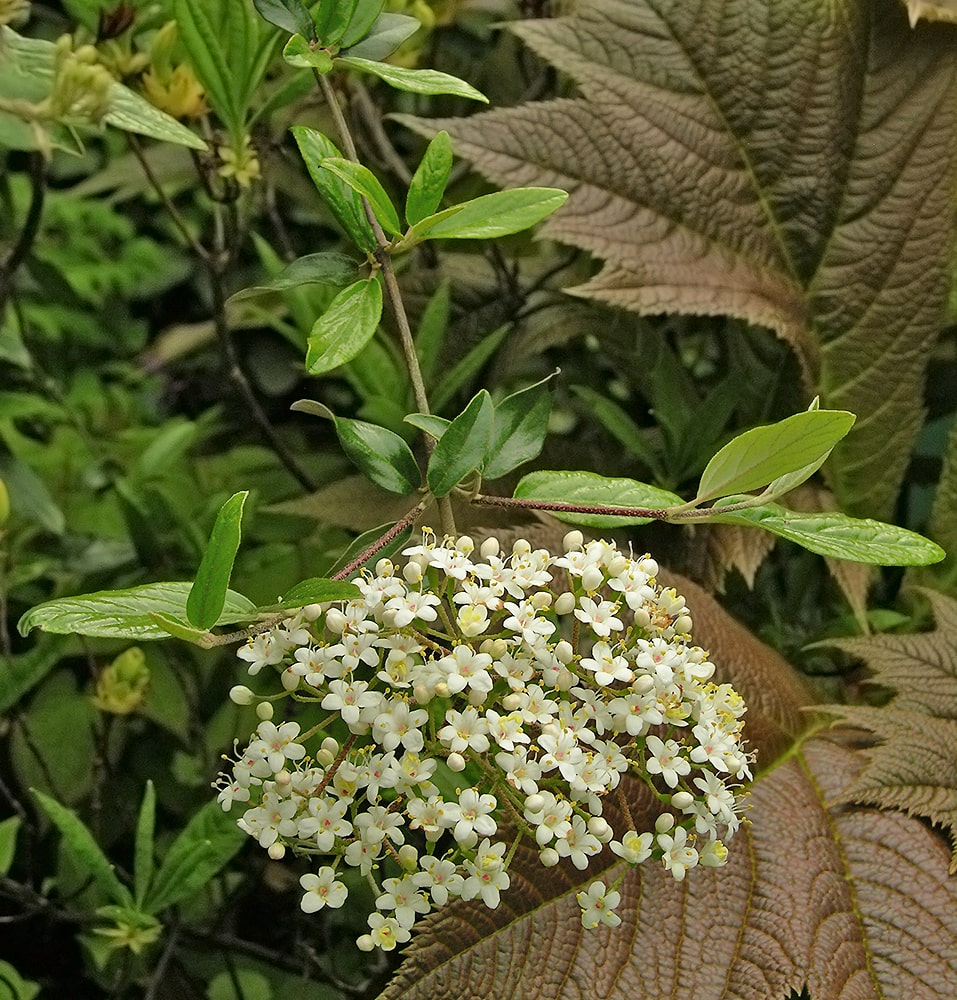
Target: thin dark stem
31 227
657 514
380 543
159 972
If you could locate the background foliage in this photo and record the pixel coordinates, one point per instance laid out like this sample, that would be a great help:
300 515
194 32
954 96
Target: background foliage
769 186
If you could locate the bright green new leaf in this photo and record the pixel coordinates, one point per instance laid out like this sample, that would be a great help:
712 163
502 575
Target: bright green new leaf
208 842
416 81
588 489
364 17
758 456
463 446
328 268
432 425
837 536
20 988
299 53
210 59
84 850
491 216
9 828
332 19
318 590
428 182
126 614
386 35
133 113
518 430
290 15
365 183
345 327
344 203
205 602
143 844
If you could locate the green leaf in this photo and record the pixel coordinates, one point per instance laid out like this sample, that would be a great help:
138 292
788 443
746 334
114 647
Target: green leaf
364 17
416 81
376 451
345 327
333 18
205 602
491 216
518 430
838 536
344 203
19 988
618 423
718 216
463 446
432 425
428 182
318 590
328 268
430 333
84 850
29 496
125 614
20 673
299 53
364 541
207 843
290 15
143 844
364 182
179 629
587 488
465 370
387 34
208 57
9 828
758 456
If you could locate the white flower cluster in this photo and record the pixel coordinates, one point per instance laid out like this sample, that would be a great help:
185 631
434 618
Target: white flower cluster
535 680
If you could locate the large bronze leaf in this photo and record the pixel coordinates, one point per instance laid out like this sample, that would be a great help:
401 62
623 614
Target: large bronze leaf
788 162
847 902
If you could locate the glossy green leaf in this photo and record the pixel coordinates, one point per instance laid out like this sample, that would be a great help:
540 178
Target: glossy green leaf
143 844
758 456
429 180
318 590
364 17
209 59
133 113
125 614
615 420
332 19
343 202
463 446
345 327
208 842
587 488
491 216
328 268
518 430
365 183
179 629
300 54
385 36
415 81
837 536
432 425
9 828
376 451
84 850
205 602
290 15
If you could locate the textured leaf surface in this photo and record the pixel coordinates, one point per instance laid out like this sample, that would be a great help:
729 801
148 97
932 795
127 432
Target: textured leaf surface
847 903
789 162
914 768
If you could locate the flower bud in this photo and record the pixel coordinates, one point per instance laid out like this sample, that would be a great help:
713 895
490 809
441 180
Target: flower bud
565 680
442 689
598 827
121 687
573 540
618 565
490 547
511 702
335 621
522 547
283 778
455 762
385 567
649 566
496 648
682 625
541 600
465 544
592 578
312 612
408 857
564 651
264 711
324 758
422 694
643 684
664 823
476 697
565 604
641 618
365 943
4 504
682 800
330 745
241 695
534 803
549 857
276 851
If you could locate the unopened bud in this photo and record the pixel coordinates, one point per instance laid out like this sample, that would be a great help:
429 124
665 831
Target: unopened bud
682 800
682 625
455 762
385 567
241 695
335 621
534 803
643 684
564 651
264 711
465 544
408 857
412 572
490 547
565 604
365 943
422 694
649 566
442 689
573 540
283 778
549 857
542 599
522 547
324 758
511 702
618 565
311 612
565 680
598 827
277 851
331 746
592 578
664 823
641 618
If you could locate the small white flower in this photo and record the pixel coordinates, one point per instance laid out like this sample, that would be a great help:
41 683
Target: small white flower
633 847
598 906
665 759
677 856
322 889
